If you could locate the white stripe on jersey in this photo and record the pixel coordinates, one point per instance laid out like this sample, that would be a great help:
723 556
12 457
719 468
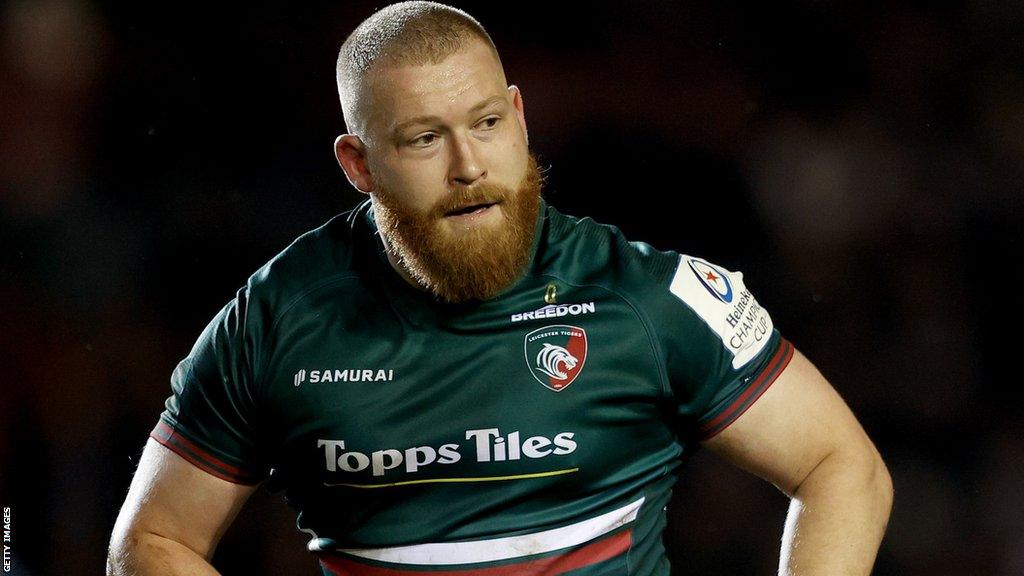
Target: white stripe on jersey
503 548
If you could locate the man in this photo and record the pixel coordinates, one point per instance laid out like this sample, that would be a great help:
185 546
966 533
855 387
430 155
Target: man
455 378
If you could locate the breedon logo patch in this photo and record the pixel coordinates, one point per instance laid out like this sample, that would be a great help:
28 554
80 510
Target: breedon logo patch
555 355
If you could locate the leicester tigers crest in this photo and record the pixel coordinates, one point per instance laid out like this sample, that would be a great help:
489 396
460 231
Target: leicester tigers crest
555 354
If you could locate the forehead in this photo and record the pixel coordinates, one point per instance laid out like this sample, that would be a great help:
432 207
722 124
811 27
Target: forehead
448 89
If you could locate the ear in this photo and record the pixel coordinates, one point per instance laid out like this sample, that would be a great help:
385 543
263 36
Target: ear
351 154
517 102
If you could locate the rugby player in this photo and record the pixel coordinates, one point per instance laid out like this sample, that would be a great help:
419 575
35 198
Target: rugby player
455 378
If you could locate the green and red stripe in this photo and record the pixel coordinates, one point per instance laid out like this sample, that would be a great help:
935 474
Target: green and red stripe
754 390
203 459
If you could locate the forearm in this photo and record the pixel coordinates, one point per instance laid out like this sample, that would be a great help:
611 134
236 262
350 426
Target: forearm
837 518
148 554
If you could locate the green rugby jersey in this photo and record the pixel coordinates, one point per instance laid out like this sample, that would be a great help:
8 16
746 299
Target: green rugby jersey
535 433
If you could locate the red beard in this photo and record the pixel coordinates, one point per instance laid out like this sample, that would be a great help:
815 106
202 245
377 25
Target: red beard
474 264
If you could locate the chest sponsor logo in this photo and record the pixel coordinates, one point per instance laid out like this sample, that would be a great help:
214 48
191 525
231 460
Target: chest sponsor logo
484 445
713 278
555 311
348 375
555 355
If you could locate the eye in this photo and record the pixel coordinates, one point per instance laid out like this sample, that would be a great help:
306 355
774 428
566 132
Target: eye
423 140
489 122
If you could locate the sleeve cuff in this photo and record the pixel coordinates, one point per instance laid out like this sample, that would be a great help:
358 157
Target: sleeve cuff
758 386
178 443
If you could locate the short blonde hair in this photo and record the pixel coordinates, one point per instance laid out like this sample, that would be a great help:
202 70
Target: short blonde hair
406 33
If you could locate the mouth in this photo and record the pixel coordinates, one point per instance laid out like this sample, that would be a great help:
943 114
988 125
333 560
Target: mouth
476 208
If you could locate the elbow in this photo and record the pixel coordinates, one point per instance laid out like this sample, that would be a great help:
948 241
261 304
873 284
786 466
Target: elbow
865 478
121 554
881 482
135 552
857 476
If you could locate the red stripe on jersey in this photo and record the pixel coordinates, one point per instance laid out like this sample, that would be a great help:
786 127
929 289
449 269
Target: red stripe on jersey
759 386
582 557
202 459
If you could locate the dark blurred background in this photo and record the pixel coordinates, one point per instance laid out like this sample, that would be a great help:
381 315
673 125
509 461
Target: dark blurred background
860 162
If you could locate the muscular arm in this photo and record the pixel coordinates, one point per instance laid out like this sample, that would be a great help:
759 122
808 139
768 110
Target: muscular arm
801 436
173 517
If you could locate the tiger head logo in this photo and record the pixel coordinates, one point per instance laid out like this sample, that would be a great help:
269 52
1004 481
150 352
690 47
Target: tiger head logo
551 357
556 354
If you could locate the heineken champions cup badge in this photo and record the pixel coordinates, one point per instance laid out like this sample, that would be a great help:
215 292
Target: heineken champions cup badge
555 354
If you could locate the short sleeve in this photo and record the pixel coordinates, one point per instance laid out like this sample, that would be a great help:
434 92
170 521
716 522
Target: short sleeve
210 417
722 350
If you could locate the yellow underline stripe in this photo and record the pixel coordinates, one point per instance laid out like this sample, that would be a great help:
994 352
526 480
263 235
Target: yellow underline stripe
471 479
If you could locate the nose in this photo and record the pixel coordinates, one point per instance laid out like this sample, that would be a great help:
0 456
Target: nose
466 164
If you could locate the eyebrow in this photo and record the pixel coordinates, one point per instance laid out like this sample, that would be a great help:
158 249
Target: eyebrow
399 127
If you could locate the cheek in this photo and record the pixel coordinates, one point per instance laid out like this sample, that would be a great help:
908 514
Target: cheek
510 160
515 141
514 134
417 185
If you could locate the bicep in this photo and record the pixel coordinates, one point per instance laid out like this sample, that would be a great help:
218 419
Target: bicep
795 425
172 498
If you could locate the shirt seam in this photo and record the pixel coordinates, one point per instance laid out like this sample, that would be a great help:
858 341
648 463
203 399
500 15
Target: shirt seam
265 357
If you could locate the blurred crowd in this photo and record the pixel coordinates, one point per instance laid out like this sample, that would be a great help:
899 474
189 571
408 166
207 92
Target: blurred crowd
860 162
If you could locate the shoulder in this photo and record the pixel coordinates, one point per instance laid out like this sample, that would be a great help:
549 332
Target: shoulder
585 251
320 257
680 295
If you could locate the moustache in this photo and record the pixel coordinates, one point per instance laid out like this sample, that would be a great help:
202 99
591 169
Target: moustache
465 199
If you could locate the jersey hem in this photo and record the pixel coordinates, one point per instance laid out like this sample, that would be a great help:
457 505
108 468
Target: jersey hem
751 394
